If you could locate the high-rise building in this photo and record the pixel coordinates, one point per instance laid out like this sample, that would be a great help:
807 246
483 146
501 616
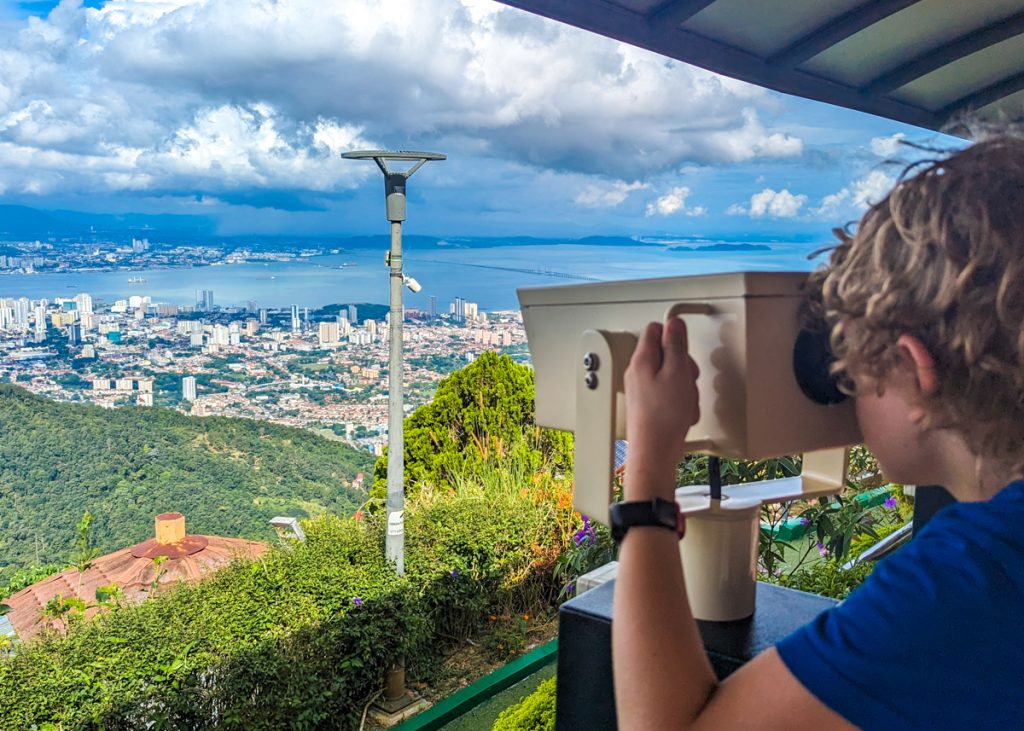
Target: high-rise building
263 316
353 315
359 337
39 314
458 310
196 339
83 303
371 327
221 335
250 307
140 245
251 326
74 334
188 388
329 334
296 324
204 300
6 315
165 310
433 307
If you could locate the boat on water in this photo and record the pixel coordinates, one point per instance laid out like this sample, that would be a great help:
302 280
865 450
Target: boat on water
136 280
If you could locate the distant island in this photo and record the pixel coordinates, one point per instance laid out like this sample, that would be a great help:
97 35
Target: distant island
722 247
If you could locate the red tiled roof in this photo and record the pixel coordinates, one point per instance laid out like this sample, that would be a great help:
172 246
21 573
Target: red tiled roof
134 575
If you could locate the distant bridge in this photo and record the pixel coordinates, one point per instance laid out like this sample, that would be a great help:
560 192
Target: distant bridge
536 272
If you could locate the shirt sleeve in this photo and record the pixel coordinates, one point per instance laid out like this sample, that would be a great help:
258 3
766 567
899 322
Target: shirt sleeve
930 641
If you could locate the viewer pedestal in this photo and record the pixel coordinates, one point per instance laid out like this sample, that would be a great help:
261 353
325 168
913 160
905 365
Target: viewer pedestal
586 700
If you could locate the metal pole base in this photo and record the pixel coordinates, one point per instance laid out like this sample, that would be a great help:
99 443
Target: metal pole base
398 703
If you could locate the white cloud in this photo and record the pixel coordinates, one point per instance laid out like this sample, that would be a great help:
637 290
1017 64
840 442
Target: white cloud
832 205
872 188
236 93
775 204
752 141
674 202
607 195
887 146
223 148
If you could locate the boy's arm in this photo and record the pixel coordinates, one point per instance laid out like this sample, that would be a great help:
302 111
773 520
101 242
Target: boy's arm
663 679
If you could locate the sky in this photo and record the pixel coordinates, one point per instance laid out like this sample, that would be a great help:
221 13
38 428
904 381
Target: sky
239 110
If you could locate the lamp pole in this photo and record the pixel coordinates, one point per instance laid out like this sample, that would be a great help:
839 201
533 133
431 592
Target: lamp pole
394 196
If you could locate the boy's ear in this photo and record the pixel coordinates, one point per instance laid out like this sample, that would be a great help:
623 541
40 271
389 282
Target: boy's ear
921 363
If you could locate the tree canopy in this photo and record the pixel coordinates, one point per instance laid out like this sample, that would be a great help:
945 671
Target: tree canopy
481 414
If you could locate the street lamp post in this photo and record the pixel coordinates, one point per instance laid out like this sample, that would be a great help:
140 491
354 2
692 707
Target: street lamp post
394 192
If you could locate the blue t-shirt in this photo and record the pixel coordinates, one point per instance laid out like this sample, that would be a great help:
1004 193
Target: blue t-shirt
934 639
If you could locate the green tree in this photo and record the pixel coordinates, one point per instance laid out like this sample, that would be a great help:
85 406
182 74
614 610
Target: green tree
479 414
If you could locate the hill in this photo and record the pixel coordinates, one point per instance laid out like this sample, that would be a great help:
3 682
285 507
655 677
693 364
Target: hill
228 476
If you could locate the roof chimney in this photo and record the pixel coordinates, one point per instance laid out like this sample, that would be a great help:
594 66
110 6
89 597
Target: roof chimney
170 528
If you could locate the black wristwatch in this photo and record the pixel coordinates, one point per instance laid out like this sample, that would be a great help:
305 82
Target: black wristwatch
656 512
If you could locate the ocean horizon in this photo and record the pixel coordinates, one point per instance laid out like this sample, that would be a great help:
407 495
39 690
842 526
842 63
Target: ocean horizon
488 276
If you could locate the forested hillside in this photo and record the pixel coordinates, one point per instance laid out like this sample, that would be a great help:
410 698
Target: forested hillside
227 476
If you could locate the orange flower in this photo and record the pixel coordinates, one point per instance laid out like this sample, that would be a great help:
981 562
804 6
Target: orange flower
358 515
526 617
493 618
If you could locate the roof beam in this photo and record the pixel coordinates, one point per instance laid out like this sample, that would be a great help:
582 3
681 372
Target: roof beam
676 12
948 53
836 31
984 97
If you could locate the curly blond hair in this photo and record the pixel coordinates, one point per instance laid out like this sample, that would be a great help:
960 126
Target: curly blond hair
942 258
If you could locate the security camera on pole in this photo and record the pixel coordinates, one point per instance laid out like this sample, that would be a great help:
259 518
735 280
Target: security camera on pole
394 191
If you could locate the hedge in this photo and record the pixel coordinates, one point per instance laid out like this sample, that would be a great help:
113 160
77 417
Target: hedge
298 639
536 712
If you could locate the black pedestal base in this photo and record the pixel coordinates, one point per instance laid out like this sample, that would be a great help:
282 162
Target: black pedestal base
586 700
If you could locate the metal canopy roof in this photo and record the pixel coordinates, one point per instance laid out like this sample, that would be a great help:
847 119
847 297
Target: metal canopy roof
918 61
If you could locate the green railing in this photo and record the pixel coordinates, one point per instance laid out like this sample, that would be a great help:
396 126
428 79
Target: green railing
482 690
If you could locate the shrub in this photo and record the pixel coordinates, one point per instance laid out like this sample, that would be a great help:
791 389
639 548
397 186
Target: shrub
536 712
299 638
828 578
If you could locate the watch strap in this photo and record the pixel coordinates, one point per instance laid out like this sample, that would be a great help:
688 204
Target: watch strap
656 512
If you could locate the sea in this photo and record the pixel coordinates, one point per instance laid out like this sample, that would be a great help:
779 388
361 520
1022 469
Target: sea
488 276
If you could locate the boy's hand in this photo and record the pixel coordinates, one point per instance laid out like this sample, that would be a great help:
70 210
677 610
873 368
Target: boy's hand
661 406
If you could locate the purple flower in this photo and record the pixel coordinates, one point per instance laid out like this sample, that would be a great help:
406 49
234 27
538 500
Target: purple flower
454 573
585 535
890 502
569 587
822 551
357 601
803 520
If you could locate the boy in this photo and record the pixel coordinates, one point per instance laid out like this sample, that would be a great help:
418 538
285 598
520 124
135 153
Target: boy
926 305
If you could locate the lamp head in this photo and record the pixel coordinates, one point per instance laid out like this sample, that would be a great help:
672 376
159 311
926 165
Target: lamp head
411 283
